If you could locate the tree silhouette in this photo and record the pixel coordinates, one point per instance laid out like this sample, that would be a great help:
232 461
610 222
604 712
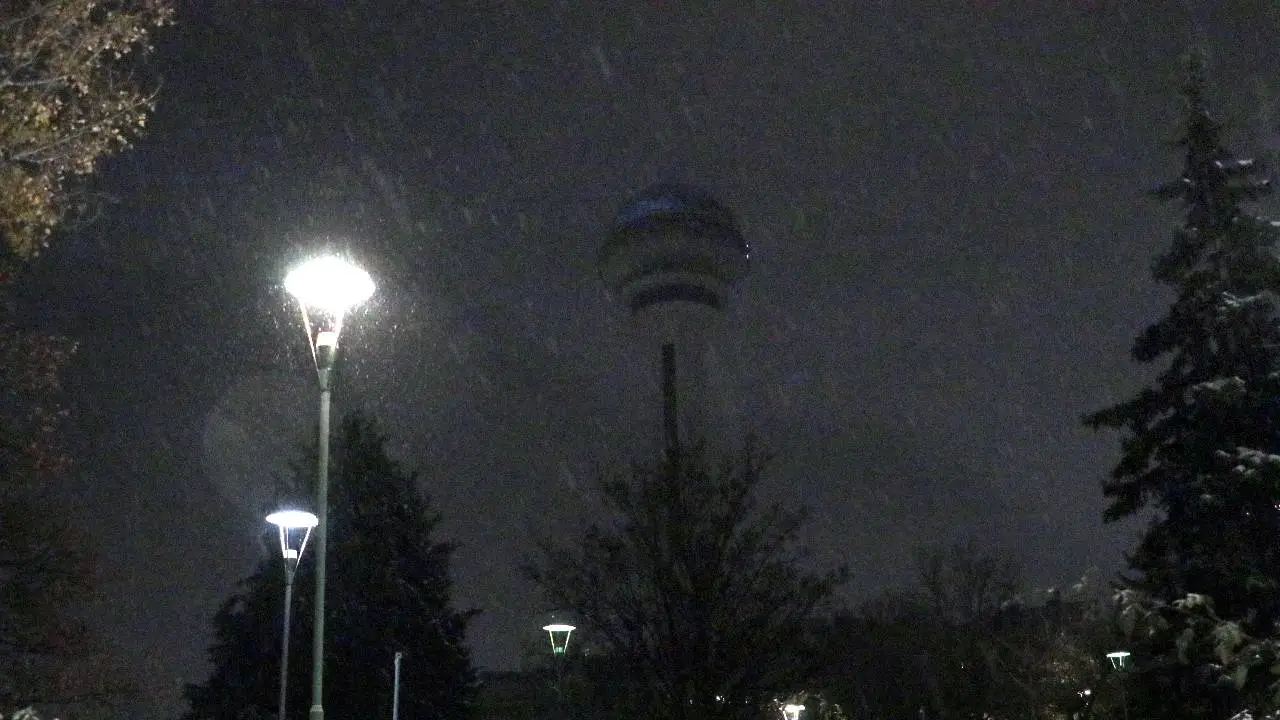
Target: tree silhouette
389 592
693 589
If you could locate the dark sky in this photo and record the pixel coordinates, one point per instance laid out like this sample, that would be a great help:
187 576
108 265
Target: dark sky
944 199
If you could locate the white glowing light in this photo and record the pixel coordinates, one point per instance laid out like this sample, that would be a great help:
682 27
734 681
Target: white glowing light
556 631
293 519
1119 659
791 711
289 523
330 284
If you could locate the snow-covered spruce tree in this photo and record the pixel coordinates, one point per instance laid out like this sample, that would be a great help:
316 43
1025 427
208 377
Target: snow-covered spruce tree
388 590
1214 527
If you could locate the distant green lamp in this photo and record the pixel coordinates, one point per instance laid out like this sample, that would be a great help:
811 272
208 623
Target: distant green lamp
559 633
1120 663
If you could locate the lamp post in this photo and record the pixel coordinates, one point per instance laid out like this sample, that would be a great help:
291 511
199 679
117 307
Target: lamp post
559 634
326 288
288 522
791 711
1120 663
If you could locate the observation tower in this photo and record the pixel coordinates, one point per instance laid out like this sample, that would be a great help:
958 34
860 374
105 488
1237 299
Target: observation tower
672 257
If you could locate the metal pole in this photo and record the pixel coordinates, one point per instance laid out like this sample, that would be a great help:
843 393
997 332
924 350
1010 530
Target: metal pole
284 647
322 537
395 693
560 683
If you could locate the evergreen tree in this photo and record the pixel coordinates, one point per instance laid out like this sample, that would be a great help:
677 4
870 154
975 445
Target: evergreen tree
693 590
1214 527
49 657
389 591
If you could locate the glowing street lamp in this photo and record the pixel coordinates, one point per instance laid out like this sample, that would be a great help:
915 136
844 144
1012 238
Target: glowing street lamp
791 711
1120 662
295 529
326 289
559 633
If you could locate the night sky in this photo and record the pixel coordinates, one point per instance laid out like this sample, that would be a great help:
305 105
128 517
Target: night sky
950 259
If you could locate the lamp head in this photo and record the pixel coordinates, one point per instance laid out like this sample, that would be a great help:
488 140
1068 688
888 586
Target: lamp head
559 633
1119 659
293 519
329 284
326 288
295 528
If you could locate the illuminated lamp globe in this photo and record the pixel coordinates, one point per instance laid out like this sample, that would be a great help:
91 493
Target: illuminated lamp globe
330 284
293 519
288 522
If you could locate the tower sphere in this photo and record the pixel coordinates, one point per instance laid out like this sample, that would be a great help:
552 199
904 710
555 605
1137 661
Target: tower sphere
674 246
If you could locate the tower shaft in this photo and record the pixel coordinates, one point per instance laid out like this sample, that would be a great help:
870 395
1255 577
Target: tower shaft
693 402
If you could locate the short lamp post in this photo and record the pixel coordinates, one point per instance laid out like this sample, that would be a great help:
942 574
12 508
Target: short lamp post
559 634
295 528
326 289
1120 663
